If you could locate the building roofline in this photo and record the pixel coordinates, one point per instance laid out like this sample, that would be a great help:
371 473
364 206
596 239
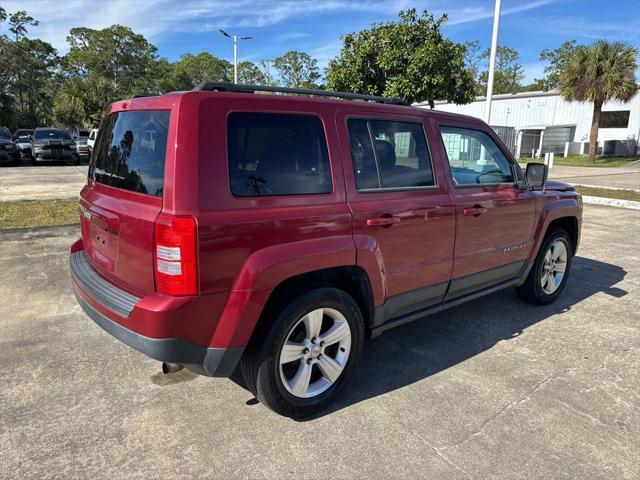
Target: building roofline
501 96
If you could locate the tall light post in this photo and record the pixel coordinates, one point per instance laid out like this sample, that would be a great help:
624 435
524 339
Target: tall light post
492 61
235 52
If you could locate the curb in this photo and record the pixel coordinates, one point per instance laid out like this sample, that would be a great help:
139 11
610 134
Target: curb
611 202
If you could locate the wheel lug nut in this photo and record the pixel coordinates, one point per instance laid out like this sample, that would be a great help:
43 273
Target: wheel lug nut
309 361
305 351
322 344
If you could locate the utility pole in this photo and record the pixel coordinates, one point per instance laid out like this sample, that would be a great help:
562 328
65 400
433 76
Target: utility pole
235 52
492 62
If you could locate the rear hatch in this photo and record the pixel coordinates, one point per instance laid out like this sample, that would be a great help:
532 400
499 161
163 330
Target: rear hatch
123 197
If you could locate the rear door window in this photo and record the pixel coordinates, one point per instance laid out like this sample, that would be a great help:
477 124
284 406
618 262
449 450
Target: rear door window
277 154
389 155
130 150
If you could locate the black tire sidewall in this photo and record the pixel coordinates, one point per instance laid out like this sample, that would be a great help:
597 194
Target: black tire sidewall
269 385
540 294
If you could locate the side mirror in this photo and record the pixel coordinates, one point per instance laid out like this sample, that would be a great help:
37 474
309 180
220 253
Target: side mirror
536 174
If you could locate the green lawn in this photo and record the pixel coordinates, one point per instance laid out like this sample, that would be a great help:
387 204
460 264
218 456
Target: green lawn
583 161
609 193
38 213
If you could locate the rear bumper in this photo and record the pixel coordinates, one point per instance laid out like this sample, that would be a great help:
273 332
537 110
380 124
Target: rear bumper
108 306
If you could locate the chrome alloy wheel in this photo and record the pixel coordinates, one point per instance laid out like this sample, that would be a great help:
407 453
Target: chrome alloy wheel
315 352
553 267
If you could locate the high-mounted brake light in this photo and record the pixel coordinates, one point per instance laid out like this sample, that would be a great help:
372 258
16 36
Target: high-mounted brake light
175 255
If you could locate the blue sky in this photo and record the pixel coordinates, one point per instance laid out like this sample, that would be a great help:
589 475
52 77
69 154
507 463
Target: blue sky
191 26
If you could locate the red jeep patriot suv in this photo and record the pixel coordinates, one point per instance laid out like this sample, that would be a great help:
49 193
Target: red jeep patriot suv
222 227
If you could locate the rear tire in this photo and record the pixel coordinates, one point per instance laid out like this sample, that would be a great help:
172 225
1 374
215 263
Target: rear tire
302 358
550 272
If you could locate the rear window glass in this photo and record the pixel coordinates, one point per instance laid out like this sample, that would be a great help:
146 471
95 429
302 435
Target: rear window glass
130 151
277 154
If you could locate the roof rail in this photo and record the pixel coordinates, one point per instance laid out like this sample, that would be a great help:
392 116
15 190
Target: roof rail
240 88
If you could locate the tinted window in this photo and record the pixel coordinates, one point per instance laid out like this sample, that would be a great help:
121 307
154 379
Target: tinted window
51 134
474 158
130 151
617 119
5 134
274 154
389 154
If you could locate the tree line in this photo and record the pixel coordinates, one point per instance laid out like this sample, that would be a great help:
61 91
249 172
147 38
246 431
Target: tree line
408 58
38 86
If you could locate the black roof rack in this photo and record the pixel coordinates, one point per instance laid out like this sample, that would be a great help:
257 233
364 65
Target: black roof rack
240 88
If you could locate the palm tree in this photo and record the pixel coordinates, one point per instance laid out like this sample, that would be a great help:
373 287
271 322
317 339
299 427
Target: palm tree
598 73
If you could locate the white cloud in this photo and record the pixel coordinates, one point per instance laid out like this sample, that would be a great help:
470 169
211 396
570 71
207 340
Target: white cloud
532 71
580 27
462 15
154 18
325 52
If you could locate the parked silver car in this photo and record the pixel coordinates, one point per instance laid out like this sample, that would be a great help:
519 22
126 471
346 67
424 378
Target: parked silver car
81 140
54 144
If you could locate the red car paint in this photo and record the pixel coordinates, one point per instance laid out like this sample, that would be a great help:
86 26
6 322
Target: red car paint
246 246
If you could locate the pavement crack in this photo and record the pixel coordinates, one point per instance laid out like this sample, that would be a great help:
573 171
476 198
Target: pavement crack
438 451
581 413
519 401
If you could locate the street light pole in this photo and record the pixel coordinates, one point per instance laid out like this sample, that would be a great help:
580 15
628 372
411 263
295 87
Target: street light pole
492 62
235 52
235 59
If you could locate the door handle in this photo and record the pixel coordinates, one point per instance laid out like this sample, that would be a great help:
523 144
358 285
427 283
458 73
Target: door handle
384 221
474 211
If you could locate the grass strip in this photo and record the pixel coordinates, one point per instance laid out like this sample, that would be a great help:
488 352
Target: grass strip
582 161
609 193
38 213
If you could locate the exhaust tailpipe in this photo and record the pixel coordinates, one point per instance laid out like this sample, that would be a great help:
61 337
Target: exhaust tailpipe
171 367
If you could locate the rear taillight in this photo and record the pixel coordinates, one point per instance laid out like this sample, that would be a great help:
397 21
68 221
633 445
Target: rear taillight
175 255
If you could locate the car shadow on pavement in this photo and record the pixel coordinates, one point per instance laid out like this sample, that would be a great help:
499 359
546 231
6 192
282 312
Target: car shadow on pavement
413 352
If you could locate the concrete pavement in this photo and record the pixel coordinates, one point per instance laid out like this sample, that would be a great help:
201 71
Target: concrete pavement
627 177
493 389
41 182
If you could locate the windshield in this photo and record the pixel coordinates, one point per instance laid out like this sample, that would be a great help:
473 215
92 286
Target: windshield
51 134
5 135
23 138
130 151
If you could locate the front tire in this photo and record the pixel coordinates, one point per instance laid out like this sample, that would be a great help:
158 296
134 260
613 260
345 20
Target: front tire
300 364
550 272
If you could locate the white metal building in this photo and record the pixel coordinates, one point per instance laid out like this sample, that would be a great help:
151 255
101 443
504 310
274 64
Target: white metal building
533 123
